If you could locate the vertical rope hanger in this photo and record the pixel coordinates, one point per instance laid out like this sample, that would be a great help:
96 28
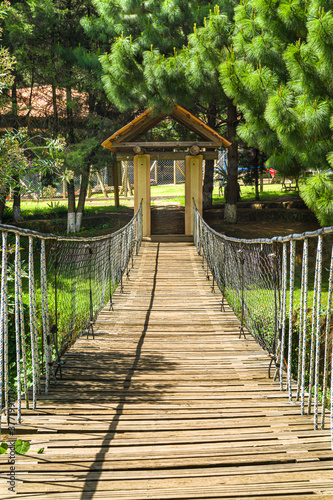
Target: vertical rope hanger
313 326
283 313
317 333
18 326
303 321
326 346
291 312
33 326
300 330
45 317
22 332
4 328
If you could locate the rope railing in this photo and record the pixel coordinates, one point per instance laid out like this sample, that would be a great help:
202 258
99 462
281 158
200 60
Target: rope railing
281 291
52 289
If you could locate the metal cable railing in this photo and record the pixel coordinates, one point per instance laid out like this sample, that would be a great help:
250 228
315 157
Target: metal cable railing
52 289
281 290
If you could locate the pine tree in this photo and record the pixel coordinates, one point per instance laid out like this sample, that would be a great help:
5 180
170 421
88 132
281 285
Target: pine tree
279 76
167 53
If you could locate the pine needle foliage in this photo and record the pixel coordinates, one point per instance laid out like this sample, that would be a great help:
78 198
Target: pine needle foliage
317 192
280 76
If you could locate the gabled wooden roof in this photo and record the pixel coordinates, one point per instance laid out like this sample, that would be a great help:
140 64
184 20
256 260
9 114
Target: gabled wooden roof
146 121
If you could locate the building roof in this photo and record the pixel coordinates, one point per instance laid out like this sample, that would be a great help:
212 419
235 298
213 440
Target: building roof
125 136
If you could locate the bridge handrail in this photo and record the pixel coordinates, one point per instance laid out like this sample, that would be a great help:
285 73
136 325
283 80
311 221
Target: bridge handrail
257 279
70 279
50 236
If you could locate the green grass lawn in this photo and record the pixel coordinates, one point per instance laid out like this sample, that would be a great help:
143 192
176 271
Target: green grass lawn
58 209
177 193
173 194
271 192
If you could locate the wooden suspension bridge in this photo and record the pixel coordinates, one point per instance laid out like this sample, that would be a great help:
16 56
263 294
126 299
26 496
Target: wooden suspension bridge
168 403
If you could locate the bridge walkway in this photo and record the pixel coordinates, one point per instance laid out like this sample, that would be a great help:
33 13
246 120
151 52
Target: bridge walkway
168 403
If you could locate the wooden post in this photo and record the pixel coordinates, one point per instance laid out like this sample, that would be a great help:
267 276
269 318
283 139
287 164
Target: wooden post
193 189
142 189
156 179
174 172
116 183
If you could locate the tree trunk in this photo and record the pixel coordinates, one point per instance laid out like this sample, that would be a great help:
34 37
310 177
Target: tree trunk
82 199
69 112
232 188
90 182
256 173
208 184
14 95
207 195
116 183
91 102
31 88
17 201
71 220
261 160
3 194
256 183
55 110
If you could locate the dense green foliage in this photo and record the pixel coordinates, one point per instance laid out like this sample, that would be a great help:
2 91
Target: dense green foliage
317 192
279 75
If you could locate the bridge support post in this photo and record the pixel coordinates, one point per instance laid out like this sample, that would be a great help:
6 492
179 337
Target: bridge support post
142 190
193 189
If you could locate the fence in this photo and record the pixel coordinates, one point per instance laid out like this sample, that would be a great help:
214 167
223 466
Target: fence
293 323
52 289
161 172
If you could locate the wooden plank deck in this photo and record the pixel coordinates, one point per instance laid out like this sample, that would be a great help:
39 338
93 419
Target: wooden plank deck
168 403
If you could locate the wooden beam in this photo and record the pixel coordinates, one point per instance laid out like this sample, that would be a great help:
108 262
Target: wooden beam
167 144
167 155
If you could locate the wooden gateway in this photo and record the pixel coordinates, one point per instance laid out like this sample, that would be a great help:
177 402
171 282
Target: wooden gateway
125 145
